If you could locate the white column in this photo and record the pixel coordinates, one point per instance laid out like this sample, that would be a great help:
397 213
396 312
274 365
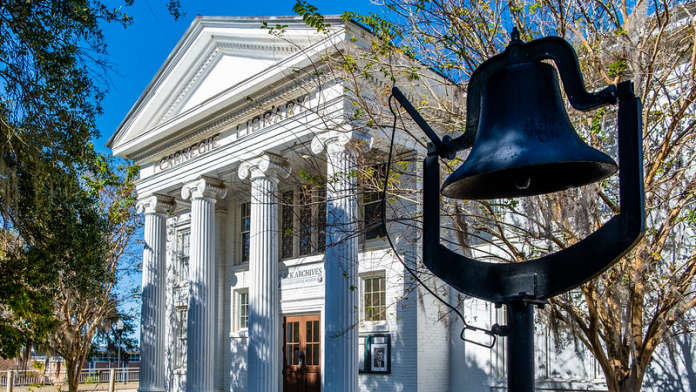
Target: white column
264 326
221 276
341 259
152 346
200 369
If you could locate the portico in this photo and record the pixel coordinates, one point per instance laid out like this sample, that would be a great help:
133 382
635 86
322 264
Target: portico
257 266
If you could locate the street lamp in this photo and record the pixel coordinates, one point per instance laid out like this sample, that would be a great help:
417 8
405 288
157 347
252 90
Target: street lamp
119 332
523 144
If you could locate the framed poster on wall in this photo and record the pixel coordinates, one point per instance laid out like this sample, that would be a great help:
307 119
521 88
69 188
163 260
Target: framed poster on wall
375 354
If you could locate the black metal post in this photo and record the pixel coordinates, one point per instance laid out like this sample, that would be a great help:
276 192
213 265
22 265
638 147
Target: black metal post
520 346
118 361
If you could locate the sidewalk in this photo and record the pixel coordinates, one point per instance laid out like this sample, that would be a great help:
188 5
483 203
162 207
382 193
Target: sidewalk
104 386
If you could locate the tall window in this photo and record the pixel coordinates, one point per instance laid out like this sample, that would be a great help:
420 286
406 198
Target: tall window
245 229
372 203
374 299
243 310
286 225
181 338
321 219
182 265
305 222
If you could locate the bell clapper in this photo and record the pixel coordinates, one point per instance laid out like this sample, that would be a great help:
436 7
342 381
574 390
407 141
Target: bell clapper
524 184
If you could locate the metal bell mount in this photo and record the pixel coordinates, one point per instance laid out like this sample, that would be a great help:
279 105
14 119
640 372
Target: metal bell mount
523 145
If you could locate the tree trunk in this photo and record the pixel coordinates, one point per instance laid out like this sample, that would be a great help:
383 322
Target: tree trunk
634 381
73 374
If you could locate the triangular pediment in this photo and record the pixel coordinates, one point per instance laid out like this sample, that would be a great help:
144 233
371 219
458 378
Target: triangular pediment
216 55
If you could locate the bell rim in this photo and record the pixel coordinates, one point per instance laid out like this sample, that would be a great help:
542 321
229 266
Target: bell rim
594 171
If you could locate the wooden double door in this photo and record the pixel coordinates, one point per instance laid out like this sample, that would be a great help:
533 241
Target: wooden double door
302 354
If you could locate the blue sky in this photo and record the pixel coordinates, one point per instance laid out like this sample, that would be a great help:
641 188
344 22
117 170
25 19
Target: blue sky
137 52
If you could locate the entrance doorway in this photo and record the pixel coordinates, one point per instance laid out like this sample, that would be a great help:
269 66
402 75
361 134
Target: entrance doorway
302 354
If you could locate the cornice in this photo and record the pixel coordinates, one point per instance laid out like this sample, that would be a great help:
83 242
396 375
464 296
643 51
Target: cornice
232 116
297 31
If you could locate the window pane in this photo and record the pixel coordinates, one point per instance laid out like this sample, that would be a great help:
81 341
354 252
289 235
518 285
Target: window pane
315 351
306 222
374 227
321 220
286 225
181 346
374 299
372 206
244 229
182 264
245 246
244 310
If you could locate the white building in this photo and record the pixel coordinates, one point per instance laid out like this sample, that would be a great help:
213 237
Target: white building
246 285
240 290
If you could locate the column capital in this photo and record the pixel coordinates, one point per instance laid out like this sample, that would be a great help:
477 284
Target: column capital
353 142
266 165
155 204
204 187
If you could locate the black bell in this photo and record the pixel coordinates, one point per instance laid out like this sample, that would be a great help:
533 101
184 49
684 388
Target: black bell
525 144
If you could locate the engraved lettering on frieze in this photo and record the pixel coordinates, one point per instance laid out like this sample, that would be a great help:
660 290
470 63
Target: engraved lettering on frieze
273 116
196 149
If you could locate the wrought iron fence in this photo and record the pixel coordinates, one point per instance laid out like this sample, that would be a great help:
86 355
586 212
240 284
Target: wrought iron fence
88 376
501 389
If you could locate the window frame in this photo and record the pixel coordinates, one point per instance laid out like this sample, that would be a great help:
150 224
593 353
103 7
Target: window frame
239 294
375 199
244 231
182 248
181 338
287 207
308 209
363 308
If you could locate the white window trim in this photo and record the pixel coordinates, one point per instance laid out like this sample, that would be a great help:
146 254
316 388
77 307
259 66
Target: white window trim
236 311
238 229
179 281
177 365
371 275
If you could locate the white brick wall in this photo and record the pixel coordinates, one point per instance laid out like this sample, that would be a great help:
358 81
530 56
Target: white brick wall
401 325
472 367
433 347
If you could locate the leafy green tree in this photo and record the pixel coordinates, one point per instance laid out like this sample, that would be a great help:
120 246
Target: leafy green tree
102 232
52 80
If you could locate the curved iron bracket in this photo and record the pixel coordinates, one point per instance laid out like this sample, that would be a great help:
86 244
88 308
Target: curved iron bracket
547 276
